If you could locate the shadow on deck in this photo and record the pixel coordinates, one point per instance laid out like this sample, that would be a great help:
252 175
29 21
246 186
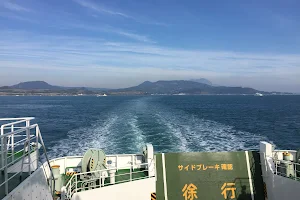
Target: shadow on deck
12 183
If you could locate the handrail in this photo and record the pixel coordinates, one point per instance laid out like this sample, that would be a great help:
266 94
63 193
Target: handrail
279 151
91 180
26 143
71 186
281 167
14 127
19 131
109 155
13 123
44 148
20 118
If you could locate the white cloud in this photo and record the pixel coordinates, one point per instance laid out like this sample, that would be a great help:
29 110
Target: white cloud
13 6
16 17
134 36
104 10
99 62
110 29
98 8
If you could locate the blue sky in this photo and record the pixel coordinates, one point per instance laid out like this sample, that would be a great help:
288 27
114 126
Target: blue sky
123 43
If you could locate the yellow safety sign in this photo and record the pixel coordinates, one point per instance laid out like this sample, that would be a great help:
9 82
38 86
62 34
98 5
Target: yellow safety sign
153 196
71 173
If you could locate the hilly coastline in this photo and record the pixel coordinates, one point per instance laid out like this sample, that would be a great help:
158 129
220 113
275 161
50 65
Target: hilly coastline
183 87
189 87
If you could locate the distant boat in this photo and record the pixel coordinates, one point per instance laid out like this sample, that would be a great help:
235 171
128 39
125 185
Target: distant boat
180 94
258 94
104 95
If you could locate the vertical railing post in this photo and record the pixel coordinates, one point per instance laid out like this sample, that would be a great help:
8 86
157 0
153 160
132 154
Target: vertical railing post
276 167
75 183
28 143
2 147
130 173
5 168
37 145
12 144
100 181
132 161
295 171
69 191
117 162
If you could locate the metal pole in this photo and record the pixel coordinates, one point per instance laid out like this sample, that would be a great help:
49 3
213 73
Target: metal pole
28 150
75 183
37 145
101 181
276 167
295 171
5 169
117 162
2 147
132 161
48 162
130 173
12 144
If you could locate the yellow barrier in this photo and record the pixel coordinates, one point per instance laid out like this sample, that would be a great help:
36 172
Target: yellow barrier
71 173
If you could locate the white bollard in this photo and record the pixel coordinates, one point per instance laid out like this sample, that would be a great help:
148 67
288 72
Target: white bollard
112 174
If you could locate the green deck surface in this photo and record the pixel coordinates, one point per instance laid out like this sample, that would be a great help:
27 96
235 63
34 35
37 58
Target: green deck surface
124 176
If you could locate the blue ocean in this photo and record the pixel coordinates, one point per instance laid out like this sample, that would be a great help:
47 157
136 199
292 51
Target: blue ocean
123 124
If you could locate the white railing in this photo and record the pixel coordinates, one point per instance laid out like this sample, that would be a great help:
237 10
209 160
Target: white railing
20 142
288 169
116 160
86 181
280 167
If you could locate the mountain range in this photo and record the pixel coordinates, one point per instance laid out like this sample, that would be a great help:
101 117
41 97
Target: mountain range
194 86
42 85
202 80
35 85
183 86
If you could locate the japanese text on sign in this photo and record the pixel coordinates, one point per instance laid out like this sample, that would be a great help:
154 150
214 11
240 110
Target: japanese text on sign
204 167
189 192
228 188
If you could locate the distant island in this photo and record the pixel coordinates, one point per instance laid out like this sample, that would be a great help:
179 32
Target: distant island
175 87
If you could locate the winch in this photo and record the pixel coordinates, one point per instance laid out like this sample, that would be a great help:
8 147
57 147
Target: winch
94 160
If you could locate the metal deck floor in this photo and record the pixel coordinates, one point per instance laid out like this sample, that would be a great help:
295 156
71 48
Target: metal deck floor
12 184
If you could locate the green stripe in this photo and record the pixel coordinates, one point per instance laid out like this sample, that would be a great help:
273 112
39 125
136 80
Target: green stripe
159 179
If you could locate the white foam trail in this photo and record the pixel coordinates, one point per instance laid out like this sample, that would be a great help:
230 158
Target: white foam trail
29 106
174 129
197 134
139 138
81 139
